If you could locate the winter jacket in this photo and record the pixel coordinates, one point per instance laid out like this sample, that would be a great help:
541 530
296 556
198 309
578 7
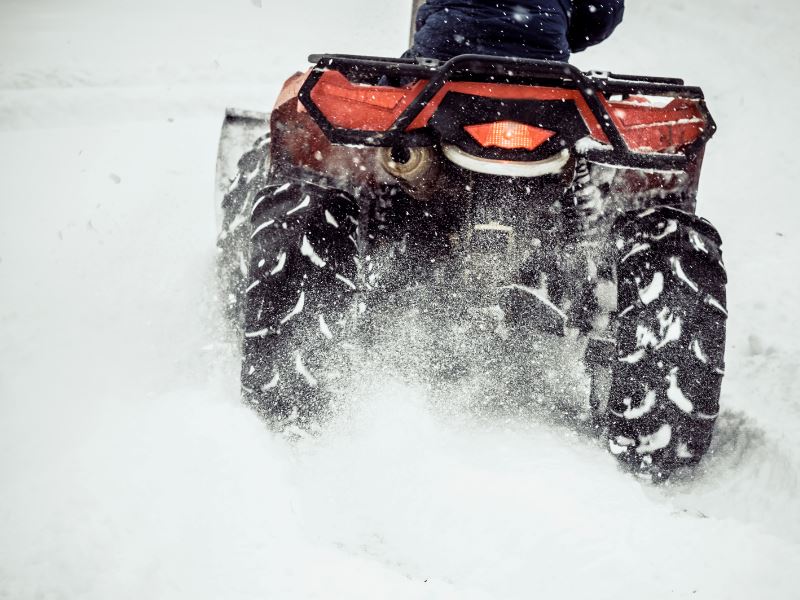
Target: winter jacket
544 29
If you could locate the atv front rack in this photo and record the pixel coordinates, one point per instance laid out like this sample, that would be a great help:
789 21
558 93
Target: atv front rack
681 128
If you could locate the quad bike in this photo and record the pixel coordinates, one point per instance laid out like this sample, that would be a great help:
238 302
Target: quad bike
561 203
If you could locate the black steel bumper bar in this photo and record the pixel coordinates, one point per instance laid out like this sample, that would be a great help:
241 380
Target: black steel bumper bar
492 69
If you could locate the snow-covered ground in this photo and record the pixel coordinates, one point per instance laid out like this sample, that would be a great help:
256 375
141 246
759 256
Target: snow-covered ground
130 469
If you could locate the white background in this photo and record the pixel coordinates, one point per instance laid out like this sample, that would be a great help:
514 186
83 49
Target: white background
128 466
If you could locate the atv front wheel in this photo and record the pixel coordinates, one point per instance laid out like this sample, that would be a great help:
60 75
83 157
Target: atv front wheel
665 388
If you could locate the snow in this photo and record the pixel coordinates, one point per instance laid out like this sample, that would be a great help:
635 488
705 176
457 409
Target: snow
675 394
261 228
323 327
331 220
345 281
298 308
650 292
677 269
281 262
635 250
303 204
306 249
644 407
130 467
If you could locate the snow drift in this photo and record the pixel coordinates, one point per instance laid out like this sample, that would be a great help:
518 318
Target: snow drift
130 469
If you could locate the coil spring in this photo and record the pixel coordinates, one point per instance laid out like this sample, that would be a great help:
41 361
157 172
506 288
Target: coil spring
588 201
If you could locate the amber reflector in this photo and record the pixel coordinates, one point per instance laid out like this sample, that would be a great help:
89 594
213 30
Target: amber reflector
509 135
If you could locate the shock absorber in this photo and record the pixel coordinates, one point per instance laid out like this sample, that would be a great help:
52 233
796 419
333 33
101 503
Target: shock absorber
588 266
588 201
